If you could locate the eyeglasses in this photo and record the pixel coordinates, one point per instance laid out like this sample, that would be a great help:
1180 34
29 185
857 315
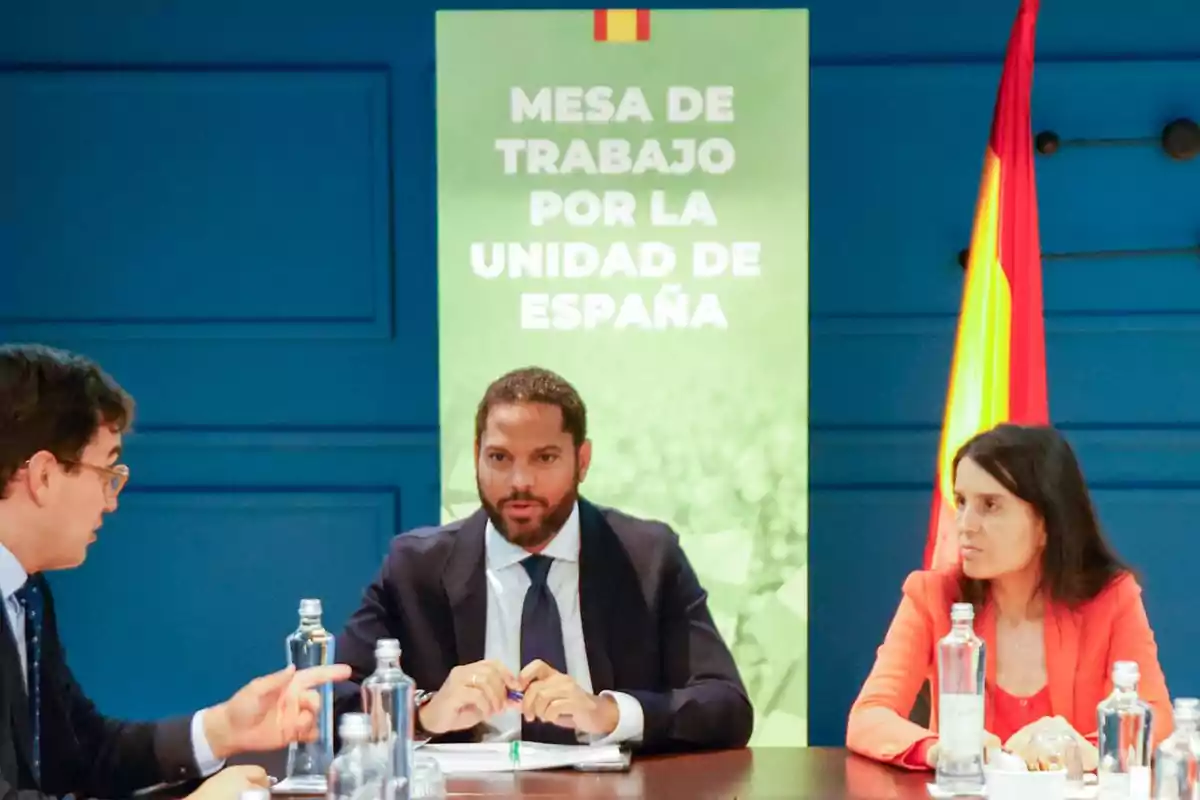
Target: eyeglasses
115 476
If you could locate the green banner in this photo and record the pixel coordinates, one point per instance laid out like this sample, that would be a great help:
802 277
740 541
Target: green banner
623 198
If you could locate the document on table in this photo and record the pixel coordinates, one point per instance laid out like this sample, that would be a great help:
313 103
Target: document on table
466 759
305 785
475 758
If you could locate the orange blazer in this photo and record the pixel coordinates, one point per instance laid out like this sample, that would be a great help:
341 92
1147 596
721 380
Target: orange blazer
1081 646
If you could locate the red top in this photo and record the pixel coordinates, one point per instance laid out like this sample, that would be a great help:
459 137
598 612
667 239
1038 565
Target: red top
1009 715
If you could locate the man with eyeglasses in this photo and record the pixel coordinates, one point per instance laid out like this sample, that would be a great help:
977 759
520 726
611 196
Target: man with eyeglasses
61 422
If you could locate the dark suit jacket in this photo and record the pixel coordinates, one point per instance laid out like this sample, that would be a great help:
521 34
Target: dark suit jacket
83 752
646 624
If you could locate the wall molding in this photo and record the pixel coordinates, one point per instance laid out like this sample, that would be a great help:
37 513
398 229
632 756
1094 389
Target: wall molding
1112 457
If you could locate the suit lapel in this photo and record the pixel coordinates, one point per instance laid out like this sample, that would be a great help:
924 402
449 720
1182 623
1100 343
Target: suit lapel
1061 641
15 687
465 583
595 543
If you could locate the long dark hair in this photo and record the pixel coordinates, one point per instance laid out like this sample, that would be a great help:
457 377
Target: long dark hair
1036 464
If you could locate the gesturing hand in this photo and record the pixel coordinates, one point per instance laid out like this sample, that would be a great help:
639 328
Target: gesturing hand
270 712
470 694
556 698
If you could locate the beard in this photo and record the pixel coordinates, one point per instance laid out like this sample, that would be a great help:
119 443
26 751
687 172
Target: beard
532 535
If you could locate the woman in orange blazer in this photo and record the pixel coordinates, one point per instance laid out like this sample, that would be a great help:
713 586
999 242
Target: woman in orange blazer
1054 605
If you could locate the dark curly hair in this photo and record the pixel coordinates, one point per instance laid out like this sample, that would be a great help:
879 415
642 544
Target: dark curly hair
535 385
55 401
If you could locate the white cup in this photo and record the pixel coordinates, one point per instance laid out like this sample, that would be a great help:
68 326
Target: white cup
1013 785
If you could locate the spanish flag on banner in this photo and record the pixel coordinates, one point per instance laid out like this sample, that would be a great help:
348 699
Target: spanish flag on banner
999 369
621 25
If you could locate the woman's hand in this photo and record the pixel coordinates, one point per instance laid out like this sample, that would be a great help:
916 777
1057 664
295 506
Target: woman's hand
1025 743
990 742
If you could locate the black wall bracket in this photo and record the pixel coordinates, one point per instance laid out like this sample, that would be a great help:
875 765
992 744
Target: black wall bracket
1180 139
965 254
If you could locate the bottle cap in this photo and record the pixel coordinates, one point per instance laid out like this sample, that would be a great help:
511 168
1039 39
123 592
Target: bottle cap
256 793
354 726
1187 708
1125 672
962 612
387 648
310 607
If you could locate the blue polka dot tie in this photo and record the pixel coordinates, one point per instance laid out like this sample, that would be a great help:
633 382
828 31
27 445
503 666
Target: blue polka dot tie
30 598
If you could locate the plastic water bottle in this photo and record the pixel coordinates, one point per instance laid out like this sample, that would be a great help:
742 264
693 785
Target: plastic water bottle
1124 722
310 645
961 665
358 772
1177 761
387 699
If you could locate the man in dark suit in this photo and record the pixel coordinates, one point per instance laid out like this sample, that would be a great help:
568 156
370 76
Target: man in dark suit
61 422
542 616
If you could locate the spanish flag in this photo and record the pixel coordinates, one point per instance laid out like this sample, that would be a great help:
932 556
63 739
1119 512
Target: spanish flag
999 369
621 25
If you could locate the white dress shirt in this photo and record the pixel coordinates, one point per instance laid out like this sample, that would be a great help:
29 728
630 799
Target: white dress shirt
12 578
507 583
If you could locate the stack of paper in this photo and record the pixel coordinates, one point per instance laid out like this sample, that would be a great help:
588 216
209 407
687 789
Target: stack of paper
466 759
309 785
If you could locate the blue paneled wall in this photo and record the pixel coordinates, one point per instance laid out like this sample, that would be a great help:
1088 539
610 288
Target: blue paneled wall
232 205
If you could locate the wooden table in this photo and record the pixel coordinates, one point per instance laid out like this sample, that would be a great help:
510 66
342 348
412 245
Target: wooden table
815 773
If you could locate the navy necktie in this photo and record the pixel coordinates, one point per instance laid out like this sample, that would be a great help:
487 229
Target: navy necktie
541 637
31 600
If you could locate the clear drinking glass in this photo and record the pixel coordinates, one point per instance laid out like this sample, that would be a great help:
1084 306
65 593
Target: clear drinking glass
428 782
1055 750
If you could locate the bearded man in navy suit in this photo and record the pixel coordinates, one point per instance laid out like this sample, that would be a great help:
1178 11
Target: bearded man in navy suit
543 616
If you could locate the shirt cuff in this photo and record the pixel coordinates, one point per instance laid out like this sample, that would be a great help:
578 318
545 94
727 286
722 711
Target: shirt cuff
631 720
206 762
